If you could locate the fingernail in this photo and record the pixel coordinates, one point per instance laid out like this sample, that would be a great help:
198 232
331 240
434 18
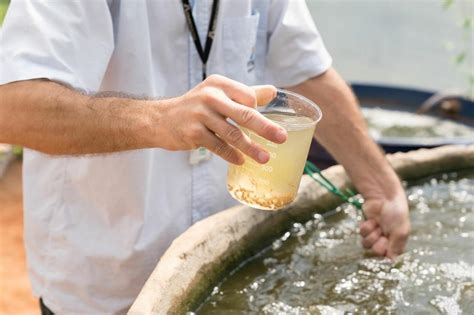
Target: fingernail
281 135
263 157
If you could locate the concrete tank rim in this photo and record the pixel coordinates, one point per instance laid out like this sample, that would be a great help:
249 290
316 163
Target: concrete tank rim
192 263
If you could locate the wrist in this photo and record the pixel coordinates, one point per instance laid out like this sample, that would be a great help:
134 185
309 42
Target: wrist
384 185
148 130
156 132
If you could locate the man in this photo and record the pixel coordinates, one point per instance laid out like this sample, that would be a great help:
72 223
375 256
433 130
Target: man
96 225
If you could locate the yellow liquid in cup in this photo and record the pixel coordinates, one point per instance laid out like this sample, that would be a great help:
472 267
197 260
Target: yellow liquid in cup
275 184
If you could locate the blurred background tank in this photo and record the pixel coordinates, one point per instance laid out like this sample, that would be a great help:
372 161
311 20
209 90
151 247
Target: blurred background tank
403 119
398 54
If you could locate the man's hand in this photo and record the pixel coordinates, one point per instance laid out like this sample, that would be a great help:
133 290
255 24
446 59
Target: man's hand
198 119
387 227
54 119
344 133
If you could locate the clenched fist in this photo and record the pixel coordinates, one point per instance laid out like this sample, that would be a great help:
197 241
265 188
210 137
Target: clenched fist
387 227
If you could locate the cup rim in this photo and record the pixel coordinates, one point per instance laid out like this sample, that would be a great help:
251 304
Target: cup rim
305 99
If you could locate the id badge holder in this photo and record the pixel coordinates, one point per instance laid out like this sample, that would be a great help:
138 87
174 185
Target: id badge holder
199 155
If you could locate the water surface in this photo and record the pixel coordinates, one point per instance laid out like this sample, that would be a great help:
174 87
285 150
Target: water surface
319 266
401 124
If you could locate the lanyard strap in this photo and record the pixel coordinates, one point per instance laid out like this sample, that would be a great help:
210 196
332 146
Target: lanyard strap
203 54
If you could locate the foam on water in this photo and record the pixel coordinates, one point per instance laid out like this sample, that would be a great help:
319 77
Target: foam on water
319 267
393 123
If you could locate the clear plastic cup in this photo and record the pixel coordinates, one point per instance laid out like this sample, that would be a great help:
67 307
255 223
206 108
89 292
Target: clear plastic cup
275 184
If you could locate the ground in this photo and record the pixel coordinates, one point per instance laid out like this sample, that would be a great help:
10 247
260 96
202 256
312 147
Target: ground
15 297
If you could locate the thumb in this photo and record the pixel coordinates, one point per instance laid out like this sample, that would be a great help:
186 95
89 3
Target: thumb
264 94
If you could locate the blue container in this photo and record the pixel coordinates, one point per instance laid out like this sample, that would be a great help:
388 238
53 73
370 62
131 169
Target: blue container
409 100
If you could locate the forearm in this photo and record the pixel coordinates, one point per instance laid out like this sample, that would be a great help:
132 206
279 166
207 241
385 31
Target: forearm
53 119
344 134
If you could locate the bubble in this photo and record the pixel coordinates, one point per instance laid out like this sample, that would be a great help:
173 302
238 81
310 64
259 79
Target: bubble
309 225
254 286
277 244
298 229
285 236
277 308
317 217
446 305
270 262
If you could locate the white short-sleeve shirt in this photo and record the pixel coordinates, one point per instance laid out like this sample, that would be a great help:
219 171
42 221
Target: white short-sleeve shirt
95 226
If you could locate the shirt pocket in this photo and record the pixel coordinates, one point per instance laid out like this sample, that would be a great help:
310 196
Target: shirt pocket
239 41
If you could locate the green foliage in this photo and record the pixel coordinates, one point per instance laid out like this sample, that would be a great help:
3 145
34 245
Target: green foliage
18 151
467 24
464 54
3 9
460 58
447 3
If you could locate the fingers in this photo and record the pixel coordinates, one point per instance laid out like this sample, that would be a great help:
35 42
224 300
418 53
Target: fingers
235 137
251 119
391 246
380 246
225 98
238 92
241 93
367 227
369 240
391 216
397 241
220 148
373 238
264 94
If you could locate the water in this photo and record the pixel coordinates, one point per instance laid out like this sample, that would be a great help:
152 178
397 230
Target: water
274 184
392 123
319 267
